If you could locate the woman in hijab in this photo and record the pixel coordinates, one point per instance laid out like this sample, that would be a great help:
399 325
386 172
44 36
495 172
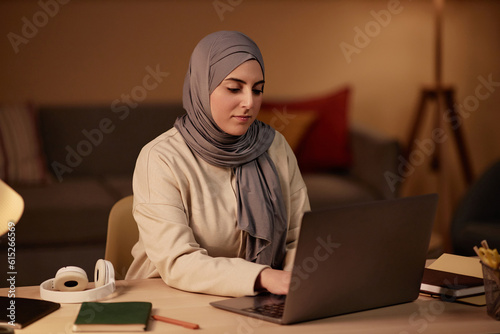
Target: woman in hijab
219 198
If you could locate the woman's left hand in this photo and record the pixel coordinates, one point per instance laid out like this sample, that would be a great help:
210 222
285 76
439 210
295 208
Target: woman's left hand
274 281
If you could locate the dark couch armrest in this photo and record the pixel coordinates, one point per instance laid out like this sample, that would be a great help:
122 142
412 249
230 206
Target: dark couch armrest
375 156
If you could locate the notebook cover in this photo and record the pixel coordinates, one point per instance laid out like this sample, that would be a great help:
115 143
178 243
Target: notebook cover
24 311
95 316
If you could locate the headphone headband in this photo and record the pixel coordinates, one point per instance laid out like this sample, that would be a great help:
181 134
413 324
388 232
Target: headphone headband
104 280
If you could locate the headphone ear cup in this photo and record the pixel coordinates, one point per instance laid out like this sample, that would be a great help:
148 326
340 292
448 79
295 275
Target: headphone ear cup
70 279
100 273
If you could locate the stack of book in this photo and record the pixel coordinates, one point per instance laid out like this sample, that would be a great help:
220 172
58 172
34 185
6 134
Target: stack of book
454 277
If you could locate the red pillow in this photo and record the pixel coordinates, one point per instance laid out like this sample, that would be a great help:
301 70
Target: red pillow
326 146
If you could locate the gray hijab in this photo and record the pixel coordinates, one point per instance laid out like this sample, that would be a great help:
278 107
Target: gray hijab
261 210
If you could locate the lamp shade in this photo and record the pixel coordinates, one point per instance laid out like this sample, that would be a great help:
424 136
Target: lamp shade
11 207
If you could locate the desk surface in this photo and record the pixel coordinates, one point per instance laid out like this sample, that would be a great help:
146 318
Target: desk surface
425 315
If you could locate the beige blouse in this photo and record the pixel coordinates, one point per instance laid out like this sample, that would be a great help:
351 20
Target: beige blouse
186 208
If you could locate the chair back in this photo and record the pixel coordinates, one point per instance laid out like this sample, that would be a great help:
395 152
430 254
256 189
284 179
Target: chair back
122 236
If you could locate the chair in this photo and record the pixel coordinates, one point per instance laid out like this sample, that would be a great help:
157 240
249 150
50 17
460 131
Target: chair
11 207
122 236
478 215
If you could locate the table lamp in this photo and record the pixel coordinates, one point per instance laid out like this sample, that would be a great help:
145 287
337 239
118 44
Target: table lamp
11 207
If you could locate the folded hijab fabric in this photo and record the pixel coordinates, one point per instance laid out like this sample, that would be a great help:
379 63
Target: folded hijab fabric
261 210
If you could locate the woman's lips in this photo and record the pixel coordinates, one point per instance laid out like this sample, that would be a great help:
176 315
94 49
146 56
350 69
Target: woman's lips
243 118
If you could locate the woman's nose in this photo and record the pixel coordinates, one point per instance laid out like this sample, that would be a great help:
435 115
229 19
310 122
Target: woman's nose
248 100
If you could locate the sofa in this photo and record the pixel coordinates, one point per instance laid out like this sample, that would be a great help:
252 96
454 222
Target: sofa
477 216
89 153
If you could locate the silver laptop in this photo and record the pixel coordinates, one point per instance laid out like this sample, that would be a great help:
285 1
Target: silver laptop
350 259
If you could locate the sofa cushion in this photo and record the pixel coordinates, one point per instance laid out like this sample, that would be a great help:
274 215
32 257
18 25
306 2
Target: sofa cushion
294 125
327 189
99 140
119 185
473 233
326 145
21 158
35 265
73 211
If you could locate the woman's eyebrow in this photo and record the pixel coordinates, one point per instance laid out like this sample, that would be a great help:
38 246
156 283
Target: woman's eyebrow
244 82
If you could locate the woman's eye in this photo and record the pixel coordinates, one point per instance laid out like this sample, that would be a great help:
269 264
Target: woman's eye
258 91
233 90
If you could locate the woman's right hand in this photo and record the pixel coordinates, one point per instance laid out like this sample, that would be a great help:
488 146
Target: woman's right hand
274 281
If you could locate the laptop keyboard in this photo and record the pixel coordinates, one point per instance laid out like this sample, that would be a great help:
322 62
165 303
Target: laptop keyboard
269 310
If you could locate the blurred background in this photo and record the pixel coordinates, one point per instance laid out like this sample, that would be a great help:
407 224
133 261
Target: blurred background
94 51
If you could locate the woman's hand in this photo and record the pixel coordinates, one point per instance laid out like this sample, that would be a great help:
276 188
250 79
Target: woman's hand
274 281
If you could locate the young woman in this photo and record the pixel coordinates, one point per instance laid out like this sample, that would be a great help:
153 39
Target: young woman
219 197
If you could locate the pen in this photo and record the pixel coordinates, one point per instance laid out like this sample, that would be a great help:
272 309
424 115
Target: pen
176 322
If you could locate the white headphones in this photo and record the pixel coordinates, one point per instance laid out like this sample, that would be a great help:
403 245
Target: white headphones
70 283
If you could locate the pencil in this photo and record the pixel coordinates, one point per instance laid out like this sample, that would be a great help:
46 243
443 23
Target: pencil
176 322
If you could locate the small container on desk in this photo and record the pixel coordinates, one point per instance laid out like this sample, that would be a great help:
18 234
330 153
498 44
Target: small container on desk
492 290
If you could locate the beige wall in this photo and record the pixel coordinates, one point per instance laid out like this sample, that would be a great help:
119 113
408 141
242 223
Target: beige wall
95 51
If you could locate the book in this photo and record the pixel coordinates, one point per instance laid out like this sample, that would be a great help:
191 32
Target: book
113 317
450 284
21 312
458 264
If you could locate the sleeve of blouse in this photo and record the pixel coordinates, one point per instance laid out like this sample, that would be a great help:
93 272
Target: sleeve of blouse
299 203
169 242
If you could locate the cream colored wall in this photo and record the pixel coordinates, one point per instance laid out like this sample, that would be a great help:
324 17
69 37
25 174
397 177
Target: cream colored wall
96 51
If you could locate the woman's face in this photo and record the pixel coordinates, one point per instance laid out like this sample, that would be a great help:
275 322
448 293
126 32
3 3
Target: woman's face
235 103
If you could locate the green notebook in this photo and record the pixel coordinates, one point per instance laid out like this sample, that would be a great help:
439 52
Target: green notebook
112 317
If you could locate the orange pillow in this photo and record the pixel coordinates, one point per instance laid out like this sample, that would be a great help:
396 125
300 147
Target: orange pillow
326 144
292 124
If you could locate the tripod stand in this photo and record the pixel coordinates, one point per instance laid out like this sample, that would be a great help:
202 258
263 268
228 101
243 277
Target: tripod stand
444 98
445 107
445 110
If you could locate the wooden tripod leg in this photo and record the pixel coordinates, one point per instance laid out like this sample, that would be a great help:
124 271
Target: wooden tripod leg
436 157
417 122
459 138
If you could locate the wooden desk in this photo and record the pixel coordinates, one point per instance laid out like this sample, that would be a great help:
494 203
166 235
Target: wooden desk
425 315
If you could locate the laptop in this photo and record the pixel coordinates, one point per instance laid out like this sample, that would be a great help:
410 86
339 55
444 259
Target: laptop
350 259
